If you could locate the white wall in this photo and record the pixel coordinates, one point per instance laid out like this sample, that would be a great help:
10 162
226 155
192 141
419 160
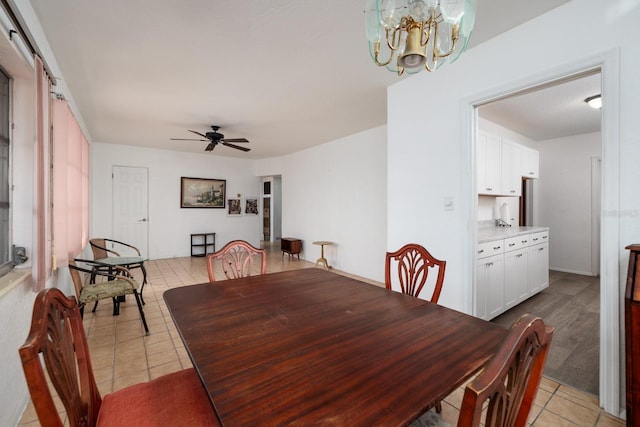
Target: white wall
16 301
337 192
564 199
169 225
328 193
429 147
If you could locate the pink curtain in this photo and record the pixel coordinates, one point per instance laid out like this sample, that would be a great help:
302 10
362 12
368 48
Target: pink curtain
42 252
71 185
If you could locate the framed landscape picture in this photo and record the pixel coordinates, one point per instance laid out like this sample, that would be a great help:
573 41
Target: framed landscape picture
251 206
202 193
234 206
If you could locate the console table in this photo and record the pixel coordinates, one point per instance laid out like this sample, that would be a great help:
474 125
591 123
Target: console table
203 244
291 246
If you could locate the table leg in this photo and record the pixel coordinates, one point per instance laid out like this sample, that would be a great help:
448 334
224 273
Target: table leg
322 259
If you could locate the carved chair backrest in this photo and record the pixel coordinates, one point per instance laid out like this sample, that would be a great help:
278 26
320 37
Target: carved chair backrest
412 264
236 259
58 334
510 380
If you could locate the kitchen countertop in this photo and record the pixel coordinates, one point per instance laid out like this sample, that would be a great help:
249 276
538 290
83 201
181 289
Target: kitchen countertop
487 234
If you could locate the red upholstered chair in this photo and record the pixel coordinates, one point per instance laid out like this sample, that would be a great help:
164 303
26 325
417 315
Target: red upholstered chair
58 340
510 380
411 265
236 259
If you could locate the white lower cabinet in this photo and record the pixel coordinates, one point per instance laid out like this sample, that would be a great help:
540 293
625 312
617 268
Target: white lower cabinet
516 274
538 268
490 286
506 279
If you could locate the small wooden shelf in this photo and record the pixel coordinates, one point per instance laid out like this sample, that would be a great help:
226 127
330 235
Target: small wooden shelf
203 244
291 246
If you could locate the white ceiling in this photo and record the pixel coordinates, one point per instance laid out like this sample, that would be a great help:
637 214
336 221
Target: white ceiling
285 74
555 111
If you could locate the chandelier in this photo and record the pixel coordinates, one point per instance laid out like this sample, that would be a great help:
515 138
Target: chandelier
409 34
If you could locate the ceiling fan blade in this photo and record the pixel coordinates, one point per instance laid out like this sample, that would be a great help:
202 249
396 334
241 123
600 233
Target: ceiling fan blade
211 146
235 140
237 147
183 139
197 133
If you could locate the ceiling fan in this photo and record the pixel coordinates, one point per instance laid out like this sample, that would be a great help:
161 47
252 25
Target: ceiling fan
214 138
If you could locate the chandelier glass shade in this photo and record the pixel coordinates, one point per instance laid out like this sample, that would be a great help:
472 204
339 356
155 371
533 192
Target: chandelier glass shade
409 35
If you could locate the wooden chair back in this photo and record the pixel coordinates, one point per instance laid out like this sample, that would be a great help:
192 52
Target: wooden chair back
77 277
510 380
236 259
411 265
57 333
99 248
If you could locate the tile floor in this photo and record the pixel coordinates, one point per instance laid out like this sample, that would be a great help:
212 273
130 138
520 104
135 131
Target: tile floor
122 355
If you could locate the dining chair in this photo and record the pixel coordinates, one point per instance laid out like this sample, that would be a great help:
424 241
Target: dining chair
57 339
507 386
412 264
236 259
115 285
101 250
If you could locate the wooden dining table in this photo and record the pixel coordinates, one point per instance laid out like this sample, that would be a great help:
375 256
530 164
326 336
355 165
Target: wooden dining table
312 347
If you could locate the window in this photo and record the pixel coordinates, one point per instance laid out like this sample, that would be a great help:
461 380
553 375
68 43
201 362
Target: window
5 203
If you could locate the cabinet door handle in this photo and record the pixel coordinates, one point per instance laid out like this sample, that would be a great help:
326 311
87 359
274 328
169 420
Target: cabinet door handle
496 247
518 256
531 173
512 244
480 251
489 189
535 239
544 237
541 249
513 191
524 241
489 264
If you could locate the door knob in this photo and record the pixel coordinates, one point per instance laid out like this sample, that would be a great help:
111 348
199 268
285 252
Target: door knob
143 220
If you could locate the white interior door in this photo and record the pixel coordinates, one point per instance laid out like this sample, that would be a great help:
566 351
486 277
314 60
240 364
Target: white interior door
130 206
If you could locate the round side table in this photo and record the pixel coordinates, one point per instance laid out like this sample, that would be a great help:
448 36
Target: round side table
322 259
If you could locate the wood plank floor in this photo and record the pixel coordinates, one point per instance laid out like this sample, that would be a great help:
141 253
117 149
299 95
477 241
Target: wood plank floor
571 304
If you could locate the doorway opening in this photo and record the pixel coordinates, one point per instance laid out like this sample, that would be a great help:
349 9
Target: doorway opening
554 120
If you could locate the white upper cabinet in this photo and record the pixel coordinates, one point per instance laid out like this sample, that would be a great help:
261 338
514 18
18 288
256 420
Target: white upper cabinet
501 164
489 163
511 168
530 163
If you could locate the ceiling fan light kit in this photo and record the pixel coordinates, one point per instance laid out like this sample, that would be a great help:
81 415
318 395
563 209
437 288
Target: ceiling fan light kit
214 138
418 33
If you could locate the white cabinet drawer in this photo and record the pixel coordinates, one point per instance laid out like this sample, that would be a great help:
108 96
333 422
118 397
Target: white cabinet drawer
517 242
494 247
540 237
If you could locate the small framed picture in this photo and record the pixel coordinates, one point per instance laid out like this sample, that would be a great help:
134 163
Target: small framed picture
234 206
251 206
